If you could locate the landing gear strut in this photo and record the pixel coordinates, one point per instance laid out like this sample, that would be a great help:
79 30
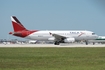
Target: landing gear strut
93 43
86 42
56 43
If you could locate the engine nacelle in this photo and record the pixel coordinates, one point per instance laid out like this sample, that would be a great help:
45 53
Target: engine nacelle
51 39
68 40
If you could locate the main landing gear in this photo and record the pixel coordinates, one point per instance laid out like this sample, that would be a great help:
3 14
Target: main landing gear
86 42
93 43
56 43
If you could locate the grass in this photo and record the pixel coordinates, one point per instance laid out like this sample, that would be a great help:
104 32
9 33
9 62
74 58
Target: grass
52 58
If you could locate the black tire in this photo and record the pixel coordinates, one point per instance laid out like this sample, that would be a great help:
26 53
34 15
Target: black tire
93 43
86 42
56 43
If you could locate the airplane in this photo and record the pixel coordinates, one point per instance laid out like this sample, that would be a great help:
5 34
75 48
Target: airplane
57 36
100 39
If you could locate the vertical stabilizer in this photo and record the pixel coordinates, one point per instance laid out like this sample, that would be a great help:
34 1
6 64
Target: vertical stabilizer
17 26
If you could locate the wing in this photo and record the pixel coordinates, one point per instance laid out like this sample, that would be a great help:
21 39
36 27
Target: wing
57 36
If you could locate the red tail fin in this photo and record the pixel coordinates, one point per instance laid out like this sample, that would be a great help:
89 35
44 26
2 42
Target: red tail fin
17 26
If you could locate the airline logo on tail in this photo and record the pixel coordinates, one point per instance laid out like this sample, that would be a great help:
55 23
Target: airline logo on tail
17 26
19 29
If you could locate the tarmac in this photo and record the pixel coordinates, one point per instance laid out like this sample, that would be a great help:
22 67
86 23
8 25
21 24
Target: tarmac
51 45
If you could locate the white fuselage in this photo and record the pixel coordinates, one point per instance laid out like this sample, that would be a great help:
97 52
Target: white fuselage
78 35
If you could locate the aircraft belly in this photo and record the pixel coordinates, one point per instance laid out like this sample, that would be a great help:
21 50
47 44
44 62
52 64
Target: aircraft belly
41 38
36 37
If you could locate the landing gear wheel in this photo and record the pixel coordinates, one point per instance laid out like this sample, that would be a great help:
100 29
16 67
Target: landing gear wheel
93 43
86 42
56 43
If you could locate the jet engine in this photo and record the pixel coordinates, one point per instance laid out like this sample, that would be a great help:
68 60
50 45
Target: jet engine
67 40
51 39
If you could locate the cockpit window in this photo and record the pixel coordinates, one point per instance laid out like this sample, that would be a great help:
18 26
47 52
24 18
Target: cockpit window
93 33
